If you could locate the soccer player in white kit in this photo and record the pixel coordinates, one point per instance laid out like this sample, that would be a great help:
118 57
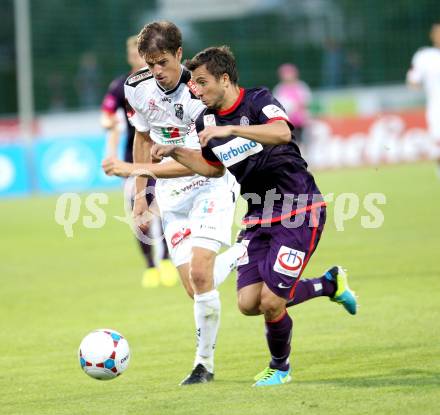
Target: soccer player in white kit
425 71
197 212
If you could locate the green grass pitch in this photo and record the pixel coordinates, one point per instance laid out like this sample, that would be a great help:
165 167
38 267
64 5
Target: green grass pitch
385 360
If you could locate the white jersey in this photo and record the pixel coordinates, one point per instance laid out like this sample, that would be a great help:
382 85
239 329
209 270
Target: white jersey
425 70
169 117
198 206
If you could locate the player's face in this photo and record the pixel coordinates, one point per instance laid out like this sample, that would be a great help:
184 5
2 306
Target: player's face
165 68
435 35
134 59
210 90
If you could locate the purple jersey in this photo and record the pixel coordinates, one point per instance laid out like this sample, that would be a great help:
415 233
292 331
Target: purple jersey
114 100
275 175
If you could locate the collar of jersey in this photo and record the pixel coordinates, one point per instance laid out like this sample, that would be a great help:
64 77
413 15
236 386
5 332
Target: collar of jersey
234 105
183 79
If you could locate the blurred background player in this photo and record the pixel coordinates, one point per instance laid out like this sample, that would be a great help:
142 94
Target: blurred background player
87 80
425 71
294 95
114 101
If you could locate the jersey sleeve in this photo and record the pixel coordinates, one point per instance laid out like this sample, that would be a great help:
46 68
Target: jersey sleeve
416 72
207 152
133 108
110 102
267 109
210 157
193 108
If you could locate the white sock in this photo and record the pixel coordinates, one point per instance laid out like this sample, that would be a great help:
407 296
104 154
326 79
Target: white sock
226 262
207 317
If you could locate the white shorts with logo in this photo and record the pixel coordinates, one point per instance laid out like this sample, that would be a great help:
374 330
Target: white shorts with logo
196 211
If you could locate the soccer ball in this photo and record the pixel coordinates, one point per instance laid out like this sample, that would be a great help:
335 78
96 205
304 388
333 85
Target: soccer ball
104 354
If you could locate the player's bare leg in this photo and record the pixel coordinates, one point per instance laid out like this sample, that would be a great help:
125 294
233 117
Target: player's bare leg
249 299
184 277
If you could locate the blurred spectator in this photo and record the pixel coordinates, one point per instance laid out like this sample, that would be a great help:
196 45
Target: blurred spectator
87 81
425 72
294 95
353 66
55 83
332 64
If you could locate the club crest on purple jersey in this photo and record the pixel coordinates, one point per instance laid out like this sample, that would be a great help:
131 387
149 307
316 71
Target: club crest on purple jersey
209 120
244 120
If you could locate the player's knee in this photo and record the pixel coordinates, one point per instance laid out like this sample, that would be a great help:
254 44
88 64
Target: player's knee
249 310
248 307
270 306
201 270
199 277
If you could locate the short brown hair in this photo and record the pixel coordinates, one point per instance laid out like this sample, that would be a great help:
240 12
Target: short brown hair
218 60
158 37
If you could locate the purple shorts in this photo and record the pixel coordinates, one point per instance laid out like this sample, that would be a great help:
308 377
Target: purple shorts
278 255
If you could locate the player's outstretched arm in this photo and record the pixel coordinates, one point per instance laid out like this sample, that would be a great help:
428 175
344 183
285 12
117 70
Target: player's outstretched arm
169 170
411 81
276 132
190 158
141 154
112 166
111 124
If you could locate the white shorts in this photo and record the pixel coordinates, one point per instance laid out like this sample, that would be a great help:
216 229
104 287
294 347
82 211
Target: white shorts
196 211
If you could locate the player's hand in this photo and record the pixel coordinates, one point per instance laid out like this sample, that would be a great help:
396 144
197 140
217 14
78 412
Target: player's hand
159 151
114 167
141 214
211 132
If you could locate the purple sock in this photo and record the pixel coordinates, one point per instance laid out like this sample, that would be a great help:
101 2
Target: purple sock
147 251
278 334
315 287
166 254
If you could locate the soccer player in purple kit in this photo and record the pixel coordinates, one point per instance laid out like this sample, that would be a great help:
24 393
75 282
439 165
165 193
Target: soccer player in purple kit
113 101
247 131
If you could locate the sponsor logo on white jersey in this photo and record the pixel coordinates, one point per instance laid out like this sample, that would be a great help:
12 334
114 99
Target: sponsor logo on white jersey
140 77
236 150
152 106
179 236
272 111
289 262
195 184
